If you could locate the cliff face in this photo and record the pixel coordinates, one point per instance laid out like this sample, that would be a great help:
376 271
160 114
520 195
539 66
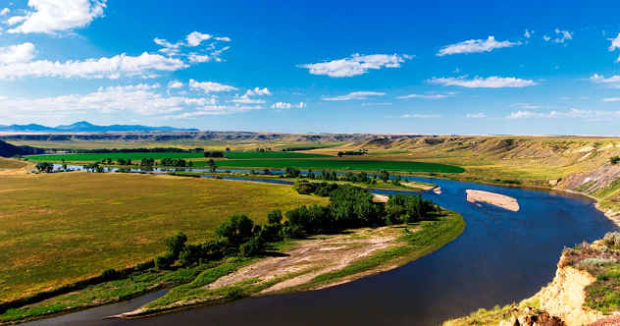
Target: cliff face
565 297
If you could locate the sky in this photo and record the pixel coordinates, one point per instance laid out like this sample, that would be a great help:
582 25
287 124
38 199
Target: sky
416 67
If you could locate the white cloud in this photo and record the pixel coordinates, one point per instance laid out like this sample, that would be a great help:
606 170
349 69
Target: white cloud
52 16
528 33
16 53
480 82
561 36
612 81
475 46
286 105
479 115
570 114
420 116
615 43
528 106
195 38
210 87
175 84
356 64
611 99
247 98
144 65
5 11
209 52
354 96
257 91
426 96
208 110
142 99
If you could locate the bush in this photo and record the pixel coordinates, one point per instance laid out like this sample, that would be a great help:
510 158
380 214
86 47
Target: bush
612 239
175 244
614 160
252 247
163 262
236 230
304 187
109 274
274 217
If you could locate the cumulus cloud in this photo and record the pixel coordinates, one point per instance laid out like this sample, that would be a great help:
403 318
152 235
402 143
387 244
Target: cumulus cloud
475 46
426 96
615 45
16 53
142 99
561 36
354 96
210 87
144 65
611 81
480 82
173 84
5 11
197 47
356 64
248 96
53 16
286 105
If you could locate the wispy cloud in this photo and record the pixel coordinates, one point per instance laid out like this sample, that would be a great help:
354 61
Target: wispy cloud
190 48
479 115
611 81
592 115
362 95
356 64
53 16
611 99
475 46
561 36
426 96
286 105
420 116
480 82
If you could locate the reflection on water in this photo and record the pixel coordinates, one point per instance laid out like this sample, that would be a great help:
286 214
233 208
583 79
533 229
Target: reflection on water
501 257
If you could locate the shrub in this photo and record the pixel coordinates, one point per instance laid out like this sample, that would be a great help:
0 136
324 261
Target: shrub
251 247
163 262
614 160
109 274
175 244
612 239
236 230
274 217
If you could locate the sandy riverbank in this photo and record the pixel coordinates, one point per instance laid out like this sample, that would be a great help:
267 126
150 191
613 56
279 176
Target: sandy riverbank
499 200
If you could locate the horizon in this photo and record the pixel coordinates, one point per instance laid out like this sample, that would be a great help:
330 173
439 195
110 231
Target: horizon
546 69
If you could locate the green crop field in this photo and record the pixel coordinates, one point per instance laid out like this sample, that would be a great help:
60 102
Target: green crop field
137 156
339 164
61 228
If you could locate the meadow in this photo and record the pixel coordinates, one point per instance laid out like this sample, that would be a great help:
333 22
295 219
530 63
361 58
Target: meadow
340 164
61 228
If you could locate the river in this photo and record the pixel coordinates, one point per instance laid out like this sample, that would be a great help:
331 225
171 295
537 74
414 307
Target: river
501 257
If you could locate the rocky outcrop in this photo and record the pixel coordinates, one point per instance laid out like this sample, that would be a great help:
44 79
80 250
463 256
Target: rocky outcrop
532 317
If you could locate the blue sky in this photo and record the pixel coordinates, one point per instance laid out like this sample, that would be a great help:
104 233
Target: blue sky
484 67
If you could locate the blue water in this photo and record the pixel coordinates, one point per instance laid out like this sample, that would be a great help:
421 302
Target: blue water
501 257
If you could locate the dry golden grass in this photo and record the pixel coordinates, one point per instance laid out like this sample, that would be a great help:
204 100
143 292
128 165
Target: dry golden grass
60 228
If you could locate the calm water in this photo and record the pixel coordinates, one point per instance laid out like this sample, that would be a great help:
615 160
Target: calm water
501 257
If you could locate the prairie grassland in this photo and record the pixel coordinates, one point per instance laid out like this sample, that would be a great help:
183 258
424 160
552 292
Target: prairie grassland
61 228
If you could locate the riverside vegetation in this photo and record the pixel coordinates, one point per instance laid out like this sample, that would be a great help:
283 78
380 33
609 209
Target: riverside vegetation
198 255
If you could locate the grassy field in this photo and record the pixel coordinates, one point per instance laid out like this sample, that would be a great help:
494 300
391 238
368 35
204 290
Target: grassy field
340 164
137 156
61 228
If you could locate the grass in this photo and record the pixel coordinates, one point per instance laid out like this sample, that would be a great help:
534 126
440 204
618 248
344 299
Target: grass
340 164
604 294
61 228
137 156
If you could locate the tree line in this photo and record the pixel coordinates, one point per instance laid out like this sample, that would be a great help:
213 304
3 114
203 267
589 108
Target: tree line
349 207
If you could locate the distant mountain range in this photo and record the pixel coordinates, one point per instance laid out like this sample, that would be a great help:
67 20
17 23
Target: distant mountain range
85 126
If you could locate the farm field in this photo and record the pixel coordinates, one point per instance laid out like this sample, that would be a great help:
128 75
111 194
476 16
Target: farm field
341 164
61 228
137 156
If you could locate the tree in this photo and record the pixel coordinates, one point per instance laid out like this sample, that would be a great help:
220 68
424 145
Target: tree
175 244
236 229
274 217
384 175
45 167
212 165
